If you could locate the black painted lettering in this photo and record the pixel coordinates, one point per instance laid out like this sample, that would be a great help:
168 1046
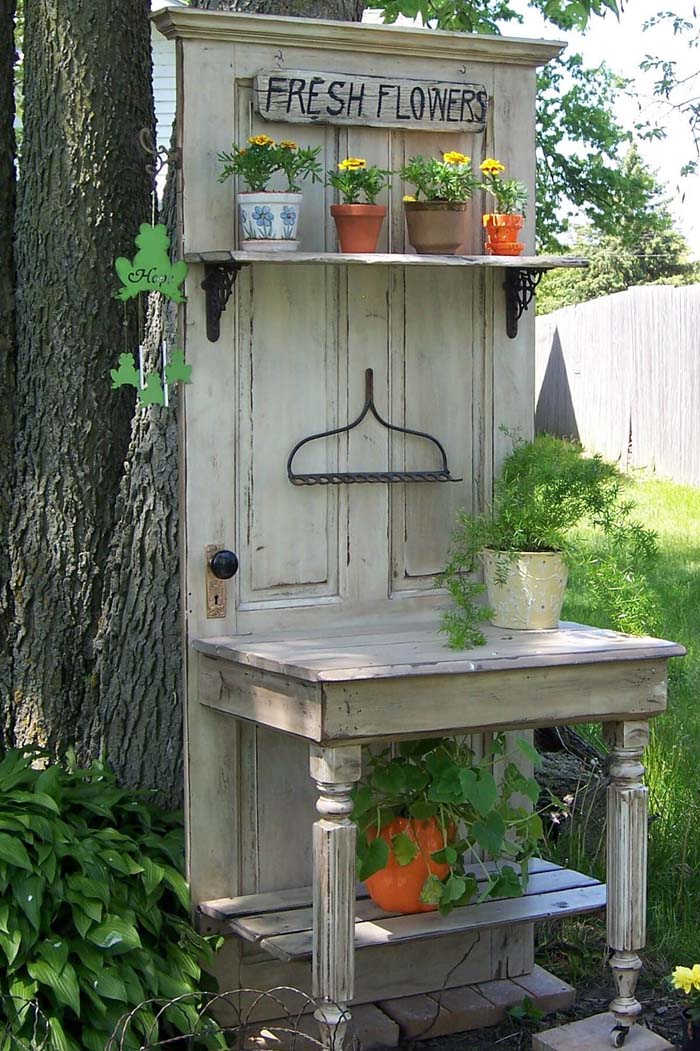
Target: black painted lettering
453 101
437 100
332 89
275 86
312 96
356 96
482 99
467 99
399 114
384 89
417 103
296 93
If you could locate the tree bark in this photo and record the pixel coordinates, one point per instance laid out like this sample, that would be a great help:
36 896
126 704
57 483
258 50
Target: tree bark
7 339
341 10
82 195
138 720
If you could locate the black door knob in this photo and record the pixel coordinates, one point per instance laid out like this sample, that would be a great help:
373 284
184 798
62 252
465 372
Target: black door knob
224 564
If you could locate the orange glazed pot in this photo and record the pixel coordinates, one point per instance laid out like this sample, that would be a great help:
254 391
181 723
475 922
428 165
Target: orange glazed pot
502 234
358 226
396 888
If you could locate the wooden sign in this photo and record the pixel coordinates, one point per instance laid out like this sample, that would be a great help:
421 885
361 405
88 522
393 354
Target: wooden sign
302 96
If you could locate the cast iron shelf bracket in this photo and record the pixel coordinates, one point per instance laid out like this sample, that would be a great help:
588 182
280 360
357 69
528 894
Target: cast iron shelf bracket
520 286
219 279
353 477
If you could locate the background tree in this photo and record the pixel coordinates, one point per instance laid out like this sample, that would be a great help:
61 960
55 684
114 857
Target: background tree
641 248
7 347
82 194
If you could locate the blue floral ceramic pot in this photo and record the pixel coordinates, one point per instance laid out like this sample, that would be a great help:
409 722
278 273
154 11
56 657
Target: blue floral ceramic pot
268 221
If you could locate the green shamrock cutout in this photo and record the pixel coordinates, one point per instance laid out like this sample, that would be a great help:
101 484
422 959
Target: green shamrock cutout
151 269
127 374
177 369
152 393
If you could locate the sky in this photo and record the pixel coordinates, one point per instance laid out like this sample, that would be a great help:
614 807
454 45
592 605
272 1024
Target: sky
622 45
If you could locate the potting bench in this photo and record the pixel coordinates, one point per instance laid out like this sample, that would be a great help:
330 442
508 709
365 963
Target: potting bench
321 634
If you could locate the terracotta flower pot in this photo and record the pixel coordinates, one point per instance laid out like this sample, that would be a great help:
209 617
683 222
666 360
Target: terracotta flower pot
525 590
358 226
268 220
437 227
502 234
397 888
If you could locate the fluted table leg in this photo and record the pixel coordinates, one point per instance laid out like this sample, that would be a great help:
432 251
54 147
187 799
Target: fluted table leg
335 770
626 868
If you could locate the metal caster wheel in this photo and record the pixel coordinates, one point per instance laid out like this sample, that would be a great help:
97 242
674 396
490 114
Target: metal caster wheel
618 1035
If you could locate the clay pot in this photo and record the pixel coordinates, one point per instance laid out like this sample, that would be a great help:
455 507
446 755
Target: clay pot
437 227
396 888
358 226
268 220
525 589
502 234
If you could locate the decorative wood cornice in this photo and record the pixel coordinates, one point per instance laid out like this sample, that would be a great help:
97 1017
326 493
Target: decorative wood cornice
232 27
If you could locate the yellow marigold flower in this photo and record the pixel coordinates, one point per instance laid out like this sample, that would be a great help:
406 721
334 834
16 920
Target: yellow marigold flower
454 157
491 166
242 153
352 164
683 978
287 144
261 140
696 975
408 197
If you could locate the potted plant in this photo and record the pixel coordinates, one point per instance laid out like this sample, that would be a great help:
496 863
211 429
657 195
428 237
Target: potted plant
436 216
545 489
687 979
418 811
503 226
358 218
269 219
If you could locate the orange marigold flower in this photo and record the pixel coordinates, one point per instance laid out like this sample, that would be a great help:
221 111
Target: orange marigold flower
287 144
261 140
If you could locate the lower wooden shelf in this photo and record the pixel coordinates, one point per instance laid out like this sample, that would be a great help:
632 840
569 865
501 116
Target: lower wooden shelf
281 922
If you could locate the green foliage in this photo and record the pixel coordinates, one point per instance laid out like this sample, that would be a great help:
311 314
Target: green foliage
444 779
643 247
510 194
679 93
450 179
486 16
354 180
546 488
262 158
94 912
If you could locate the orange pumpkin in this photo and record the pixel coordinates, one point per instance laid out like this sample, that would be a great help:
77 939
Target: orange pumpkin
396 888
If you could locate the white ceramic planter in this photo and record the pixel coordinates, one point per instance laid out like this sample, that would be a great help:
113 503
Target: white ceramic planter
268 221
525 590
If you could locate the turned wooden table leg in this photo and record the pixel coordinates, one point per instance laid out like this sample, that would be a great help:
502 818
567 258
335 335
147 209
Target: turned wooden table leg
334 770
626 868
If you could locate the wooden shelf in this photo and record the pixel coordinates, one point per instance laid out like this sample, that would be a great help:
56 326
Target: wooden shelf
508 262
281 923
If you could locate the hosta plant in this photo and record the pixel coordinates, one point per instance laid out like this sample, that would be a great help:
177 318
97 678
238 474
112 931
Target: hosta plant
94 910
443 780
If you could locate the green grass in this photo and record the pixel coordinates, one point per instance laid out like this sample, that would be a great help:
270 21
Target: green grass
673 757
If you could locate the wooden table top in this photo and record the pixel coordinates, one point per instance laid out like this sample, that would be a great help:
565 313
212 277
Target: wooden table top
401 649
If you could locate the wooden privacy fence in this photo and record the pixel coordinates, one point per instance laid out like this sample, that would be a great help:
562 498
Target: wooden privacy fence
622 374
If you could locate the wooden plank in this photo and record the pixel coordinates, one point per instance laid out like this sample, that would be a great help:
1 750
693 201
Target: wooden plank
270 924
472 918
369 710
384 655
304 96
541 262
301 897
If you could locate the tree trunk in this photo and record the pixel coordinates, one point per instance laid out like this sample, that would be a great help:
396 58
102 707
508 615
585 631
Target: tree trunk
7 339
341 10
138 720
82 194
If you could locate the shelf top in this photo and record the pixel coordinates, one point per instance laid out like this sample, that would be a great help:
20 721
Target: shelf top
400 649
510 262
